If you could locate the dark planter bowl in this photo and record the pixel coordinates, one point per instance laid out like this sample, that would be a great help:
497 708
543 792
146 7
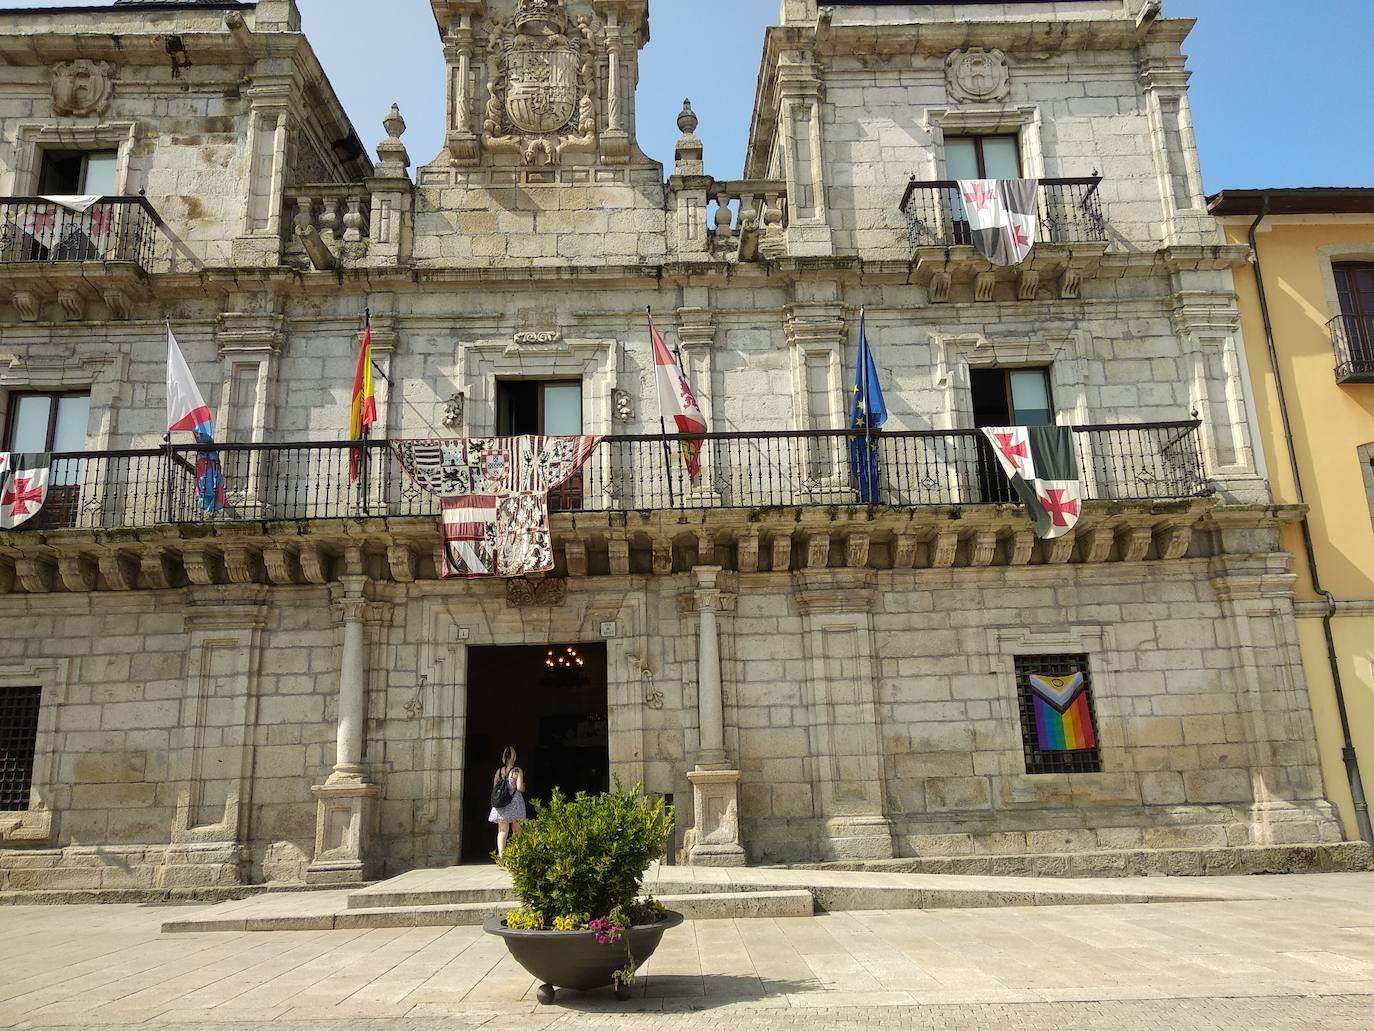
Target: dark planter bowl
575 959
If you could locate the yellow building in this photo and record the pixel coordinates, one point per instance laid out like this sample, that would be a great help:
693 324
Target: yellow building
1307 308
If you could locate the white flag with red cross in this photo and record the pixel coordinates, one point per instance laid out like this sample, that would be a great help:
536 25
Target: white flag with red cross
23 487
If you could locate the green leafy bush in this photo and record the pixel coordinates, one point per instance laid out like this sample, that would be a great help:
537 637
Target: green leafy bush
587 855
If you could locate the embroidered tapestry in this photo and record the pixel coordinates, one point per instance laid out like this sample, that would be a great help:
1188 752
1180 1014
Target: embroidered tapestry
494 491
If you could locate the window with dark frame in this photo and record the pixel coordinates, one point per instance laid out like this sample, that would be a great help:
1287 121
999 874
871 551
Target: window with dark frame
67 173
1058 715
54 422
552 408
978 157
18 745
1005 397
1355 293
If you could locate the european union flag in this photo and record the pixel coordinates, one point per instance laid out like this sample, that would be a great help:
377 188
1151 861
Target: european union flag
869 412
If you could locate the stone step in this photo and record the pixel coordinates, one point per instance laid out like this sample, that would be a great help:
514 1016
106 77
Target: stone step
709 906
830 898
1319 857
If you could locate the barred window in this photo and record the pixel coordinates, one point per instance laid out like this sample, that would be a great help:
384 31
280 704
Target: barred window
1058 720
18 742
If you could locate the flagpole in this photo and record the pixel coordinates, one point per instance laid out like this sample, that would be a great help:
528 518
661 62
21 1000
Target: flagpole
866 354
362 472
662 423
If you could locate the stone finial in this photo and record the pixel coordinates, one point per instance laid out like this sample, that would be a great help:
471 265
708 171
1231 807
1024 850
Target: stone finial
689 150
687 119
394 158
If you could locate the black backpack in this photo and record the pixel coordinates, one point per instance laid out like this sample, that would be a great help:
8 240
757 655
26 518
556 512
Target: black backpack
502 794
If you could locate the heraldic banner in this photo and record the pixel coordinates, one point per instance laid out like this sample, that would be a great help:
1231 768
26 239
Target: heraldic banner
495 497
23 487
1042 466
1004 215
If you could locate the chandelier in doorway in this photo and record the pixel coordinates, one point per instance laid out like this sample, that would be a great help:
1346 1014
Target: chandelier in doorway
564 667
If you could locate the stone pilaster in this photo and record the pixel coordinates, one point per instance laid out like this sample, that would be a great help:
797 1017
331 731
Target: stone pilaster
1209 325
848 778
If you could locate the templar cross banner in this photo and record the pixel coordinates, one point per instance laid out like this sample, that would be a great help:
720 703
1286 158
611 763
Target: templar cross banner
23 487
494 490
1042 466
1003 214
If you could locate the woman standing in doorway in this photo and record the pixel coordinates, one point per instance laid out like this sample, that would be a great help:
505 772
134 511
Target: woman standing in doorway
507 800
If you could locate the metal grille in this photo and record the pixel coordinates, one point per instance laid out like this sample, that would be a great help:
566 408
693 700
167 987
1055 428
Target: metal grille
1077 760
18 742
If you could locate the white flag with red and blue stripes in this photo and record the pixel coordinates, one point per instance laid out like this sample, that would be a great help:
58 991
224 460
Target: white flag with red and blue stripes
188 412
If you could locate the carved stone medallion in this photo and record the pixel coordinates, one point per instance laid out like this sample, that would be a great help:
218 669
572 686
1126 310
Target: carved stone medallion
522 593
541 83
978 75
82 88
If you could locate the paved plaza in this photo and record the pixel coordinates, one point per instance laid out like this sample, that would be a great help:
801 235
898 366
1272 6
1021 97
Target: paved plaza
1298 952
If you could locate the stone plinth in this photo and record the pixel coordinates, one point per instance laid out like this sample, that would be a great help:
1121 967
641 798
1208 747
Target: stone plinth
715 804
345 831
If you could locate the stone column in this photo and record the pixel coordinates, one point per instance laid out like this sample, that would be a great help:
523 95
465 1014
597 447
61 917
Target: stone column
715 838
345 823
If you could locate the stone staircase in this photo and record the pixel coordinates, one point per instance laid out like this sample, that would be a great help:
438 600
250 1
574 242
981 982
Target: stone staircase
462 896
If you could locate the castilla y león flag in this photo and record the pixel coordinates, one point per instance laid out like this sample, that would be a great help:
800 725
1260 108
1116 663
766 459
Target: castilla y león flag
23 487
1042 466
678 403
1003 215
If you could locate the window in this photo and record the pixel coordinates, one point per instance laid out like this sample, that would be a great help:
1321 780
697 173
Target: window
67 173
983 157
1353 329
54 422
549 407
48 422
978 157
1058 721
1011 397
543 407
18 745
1005 397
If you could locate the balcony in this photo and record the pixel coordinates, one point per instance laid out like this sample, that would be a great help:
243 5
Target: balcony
1353 337
753 471
1070 212
35 231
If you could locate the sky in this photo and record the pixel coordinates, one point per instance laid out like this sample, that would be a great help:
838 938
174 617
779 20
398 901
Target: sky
1280 90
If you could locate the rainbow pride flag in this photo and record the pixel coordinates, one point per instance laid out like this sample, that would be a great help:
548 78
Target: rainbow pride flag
1062 720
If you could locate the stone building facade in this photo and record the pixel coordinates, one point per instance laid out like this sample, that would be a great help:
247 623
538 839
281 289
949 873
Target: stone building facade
289 691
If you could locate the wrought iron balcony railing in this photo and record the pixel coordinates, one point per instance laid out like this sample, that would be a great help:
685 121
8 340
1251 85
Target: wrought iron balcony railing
1353 336
298 482
1070 212
38 230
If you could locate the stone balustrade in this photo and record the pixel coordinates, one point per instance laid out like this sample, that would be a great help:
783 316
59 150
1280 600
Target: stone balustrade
332 223
749 219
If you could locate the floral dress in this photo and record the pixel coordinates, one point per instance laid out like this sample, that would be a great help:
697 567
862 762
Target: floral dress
514 811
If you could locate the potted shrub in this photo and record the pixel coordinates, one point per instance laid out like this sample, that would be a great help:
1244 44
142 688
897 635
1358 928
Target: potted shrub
578 866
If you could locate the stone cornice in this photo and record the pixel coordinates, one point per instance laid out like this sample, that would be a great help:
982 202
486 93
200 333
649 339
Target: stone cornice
819 541
1085 261
1346 608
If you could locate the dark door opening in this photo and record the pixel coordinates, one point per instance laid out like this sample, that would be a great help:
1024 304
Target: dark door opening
549 702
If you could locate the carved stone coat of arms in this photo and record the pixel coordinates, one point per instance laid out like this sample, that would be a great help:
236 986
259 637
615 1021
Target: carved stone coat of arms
541 83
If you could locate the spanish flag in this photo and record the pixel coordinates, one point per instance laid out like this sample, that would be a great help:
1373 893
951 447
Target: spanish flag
364 412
